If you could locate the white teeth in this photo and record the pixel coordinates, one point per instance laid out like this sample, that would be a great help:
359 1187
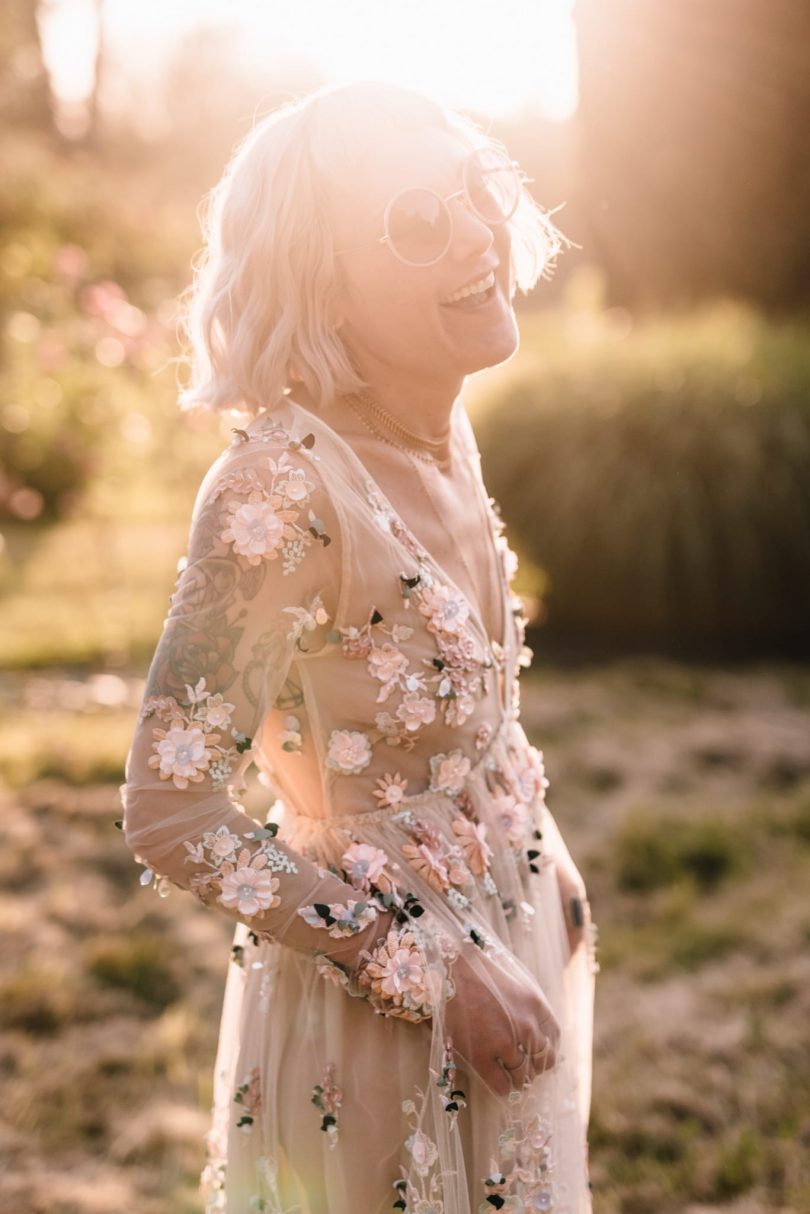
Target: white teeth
474 288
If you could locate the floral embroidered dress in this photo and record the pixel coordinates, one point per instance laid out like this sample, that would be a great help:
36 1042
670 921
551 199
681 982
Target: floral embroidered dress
312 635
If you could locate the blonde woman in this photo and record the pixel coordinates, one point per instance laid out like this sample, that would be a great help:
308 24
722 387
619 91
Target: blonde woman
408 1009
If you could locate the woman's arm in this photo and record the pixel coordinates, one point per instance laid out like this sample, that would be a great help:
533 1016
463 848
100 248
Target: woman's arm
262 578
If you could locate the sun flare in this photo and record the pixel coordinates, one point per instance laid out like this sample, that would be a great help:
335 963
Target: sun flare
465 53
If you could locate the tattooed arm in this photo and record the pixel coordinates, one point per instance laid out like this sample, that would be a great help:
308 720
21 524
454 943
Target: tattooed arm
261 581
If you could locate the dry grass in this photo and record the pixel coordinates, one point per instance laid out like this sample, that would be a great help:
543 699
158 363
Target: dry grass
684 795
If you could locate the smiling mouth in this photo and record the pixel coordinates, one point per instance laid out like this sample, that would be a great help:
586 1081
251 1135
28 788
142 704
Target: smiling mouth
473 294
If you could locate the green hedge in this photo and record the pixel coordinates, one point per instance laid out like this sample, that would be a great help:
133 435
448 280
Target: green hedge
658 477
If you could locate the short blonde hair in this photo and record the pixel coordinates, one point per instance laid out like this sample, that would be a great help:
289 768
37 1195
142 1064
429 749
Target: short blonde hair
257 313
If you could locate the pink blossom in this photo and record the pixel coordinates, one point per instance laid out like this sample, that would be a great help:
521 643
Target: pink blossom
255 528
416 711
386 662
446 609
249 888
349 751
364 865
513 816
182 754
428 863
448 771
472 837
390 789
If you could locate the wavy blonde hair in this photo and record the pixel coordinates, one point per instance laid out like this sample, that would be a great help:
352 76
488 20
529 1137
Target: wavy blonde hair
256 316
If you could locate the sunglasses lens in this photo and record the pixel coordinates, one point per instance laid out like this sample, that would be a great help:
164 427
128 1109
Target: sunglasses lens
493 185
419 226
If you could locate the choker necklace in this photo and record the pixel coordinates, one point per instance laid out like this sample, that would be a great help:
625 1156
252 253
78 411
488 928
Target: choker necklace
426 449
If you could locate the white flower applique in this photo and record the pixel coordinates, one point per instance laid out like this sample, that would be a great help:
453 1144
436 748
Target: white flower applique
264 523
190 747
244 880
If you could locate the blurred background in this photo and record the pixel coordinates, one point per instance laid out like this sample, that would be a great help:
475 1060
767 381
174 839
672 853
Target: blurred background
649 448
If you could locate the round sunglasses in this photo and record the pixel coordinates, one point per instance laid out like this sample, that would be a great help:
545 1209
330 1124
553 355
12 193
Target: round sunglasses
418 222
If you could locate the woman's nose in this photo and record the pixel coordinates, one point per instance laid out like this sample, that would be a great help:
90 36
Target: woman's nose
471 234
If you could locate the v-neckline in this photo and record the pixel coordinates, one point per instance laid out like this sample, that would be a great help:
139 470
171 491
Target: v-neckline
441 572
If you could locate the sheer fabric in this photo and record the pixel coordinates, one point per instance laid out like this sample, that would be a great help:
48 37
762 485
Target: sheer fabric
310 633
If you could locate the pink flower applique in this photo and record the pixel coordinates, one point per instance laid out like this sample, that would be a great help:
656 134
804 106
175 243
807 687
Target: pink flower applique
416 711
365 866
398 974
307 619
348 751
472 837
389 666
390 789
248 887
328 1098
513 816
439 866
446 609
261 522
257 528
448 772
191 745
182 754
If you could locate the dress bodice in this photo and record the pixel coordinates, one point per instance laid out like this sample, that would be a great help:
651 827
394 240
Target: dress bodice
401 690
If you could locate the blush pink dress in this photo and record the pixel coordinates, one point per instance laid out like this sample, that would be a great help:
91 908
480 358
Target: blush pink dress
312 635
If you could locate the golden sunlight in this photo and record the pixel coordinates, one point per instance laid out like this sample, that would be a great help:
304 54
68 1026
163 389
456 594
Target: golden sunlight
520 55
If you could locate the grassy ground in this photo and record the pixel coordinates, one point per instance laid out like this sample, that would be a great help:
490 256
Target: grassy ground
684 795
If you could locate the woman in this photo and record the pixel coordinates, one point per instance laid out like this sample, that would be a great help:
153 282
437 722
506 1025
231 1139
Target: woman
408 1010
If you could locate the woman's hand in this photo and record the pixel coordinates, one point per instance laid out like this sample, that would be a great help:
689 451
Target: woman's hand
501 1026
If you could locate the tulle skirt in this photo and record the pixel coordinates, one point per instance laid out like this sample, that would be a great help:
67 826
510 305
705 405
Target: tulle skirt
323 1106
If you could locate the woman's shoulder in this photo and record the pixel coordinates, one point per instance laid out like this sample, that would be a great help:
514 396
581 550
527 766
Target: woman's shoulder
277 452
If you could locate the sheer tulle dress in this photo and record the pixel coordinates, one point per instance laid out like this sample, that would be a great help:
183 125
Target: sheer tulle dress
311 634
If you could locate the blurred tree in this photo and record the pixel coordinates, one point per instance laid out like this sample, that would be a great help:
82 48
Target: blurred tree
25 93
694 134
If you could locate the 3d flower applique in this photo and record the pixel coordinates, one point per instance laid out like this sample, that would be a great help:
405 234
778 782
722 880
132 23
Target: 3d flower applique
415 711
397 976
390 789
248 886
522 1166
439 866
328 1098
419 1188
262 523
339 919
249 1098
528 772
387 664
348 751
445 609
243 880
190 747
257 527
454 1099
513 816
472 837
448 772
182 754
366 867
307 619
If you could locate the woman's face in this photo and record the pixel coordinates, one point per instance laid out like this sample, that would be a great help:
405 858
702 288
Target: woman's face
396 317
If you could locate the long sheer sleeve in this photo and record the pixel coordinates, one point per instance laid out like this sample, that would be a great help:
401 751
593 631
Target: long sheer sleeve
261 579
